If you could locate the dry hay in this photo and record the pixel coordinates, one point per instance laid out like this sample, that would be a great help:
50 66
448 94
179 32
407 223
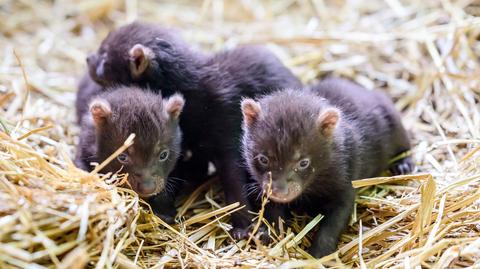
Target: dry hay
425 54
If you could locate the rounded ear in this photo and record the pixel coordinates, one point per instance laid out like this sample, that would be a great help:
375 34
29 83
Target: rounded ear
327 121
251 111
174 105
101 111
140 57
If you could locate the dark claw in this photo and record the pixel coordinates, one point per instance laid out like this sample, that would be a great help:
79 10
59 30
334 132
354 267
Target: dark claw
402 167
264 235
240 233
244 233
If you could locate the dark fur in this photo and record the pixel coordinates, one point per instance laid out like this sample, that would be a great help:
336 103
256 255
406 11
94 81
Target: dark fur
212 87
173 68
368 134
87 89
132 111
247 71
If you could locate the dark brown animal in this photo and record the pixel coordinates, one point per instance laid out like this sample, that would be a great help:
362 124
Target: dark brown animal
313 142
153 57
113 116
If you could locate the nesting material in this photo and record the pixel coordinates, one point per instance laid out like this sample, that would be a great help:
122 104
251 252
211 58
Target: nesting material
424 54
59 216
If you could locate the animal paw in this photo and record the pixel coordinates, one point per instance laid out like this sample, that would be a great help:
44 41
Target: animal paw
167 218
244 233
165 213
163 207
319 249
240 233
319 252
402 167
264 234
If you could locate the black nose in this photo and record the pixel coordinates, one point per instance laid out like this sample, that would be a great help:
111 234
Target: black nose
90 58
147 187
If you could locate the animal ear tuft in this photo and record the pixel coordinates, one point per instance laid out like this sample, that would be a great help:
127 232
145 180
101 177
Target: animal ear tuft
174 105
251 111
327 121
140 57
100 110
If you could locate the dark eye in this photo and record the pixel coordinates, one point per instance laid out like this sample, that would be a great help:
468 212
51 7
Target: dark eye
164 155
123 158
303 164
262 159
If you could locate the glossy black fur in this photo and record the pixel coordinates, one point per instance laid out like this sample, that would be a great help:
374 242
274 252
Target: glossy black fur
132 111
369 134
212 87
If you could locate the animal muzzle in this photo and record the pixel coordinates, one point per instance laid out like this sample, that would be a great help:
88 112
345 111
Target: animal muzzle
96 68
284 191
148 187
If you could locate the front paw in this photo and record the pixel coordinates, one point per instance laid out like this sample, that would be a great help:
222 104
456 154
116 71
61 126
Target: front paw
162 206
402 167
169 219
165 212
264 233
324 247
240 233
244 233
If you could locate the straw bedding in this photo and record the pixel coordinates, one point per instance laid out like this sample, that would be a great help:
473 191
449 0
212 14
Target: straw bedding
424 54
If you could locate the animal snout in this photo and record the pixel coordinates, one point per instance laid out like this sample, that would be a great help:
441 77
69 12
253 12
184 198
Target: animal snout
147 187
100 69
280 187
92 60
146 184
